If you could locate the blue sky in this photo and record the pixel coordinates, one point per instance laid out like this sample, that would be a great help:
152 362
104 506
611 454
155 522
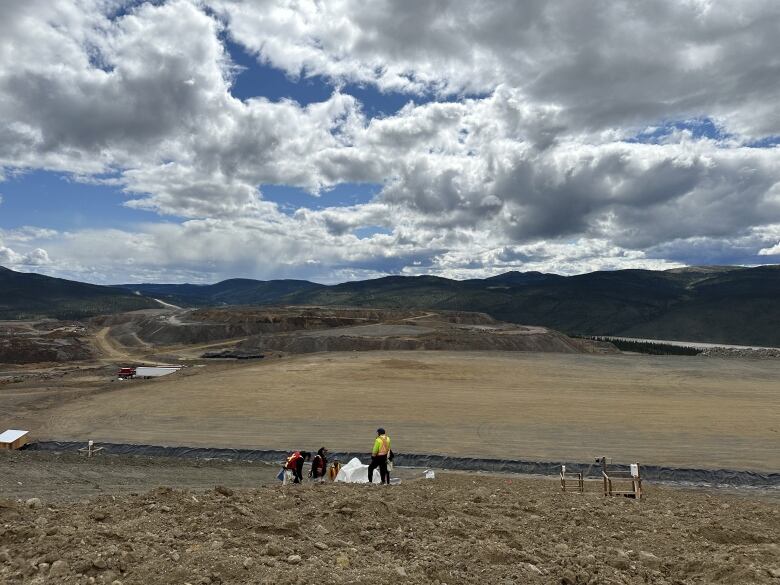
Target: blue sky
46 199
289 199
259 79
460 142
698 128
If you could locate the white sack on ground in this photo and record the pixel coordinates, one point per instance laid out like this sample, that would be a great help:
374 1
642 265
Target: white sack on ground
356 472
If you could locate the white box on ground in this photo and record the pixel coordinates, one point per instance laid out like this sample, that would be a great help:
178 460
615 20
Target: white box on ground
13 439
155 371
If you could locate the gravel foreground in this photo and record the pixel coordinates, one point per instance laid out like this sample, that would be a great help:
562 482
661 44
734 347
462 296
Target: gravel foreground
457 528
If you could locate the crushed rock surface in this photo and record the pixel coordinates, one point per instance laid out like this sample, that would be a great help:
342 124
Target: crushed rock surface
458 528
762 353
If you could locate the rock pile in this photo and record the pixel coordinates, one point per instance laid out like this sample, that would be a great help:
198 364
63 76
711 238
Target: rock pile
34 348
730 352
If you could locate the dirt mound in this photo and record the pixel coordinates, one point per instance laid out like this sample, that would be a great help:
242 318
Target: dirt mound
208 325
315 329
277 319
50 341
454 529
427 339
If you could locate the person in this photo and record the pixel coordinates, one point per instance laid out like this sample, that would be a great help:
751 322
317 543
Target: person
379 457
319 465
334 470
293 467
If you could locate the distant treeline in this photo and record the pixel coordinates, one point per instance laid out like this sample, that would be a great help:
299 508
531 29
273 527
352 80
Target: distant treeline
650 347
76 309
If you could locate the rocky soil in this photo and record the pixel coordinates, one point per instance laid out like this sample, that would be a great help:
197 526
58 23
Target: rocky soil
457 528
439 339
35 342
740 353
213 324
314 329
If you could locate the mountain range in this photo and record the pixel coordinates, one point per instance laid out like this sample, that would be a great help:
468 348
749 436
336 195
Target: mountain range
719 304
32 296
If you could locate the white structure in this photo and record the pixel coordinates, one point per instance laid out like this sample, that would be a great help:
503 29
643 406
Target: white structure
13 439
356 472
155 371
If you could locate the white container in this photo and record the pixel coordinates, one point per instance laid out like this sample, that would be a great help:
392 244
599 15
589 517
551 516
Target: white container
155 371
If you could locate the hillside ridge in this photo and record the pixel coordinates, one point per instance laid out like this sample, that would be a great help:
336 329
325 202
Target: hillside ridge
717 304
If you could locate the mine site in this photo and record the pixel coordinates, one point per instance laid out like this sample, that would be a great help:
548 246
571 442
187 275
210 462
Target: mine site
160 432
452 383
376 291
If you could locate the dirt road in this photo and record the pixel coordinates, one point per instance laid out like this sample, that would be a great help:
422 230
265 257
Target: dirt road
673 411
168 305
116 353
109 348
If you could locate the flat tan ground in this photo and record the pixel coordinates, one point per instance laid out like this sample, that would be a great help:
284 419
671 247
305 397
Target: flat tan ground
677 411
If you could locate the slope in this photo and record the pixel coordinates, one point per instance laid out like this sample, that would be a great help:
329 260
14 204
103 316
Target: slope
32 296
718 304
235 291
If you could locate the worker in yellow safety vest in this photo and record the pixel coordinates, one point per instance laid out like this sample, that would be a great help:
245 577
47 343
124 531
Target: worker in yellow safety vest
379 455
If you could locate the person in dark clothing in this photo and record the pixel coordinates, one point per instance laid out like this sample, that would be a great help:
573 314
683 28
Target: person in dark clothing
379 456
319 465
294 465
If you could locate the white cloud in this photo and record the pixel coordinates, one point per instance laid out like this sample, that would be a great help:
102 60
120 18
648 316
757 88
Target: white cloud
27 234
36 258
606 63
536 173
773 251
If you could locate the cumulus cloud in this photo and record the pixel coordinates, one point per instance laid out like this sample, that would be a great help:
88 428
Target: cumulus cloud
521 152
25 253
773 251
606 63
208 249
35 258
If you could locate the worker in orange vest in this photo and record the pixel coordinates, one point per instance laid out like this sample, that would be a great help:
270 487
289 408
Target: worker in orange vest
379 456
293 467
334 469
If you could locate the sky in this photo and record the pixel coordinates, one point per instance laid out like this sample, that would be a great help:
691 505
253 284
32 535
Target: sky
193 141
